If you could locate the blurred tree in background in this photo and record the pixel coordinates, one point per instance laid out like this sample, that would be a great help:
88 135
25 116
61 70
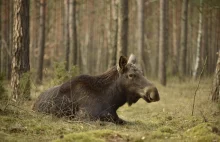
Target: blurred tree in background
41 41
91 34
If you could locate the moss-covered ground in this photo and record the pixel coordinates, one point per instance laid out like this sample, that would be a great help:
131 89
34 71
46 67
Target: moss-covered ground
169 119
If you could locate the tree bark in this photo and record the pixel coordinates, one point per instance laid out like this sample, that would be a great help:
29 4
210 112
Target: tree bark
155 45
140 32
183 39
10 38
113 34
122 28
66 33
34 24
72 31
198 48
216 82
162 43
25 52
6 37
0 36
41 42
20 61
175 46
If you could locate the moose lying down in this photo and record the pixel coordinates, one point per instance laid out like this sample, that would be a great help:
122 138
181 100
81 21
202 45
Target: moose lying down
99 96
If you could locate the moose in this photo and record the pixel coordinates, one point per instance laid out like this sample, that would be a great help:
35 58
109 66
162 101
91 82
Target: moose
99 96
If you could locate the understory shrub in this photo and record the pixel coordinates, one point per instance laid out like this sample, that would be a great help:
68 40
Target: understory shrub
3 94
61 74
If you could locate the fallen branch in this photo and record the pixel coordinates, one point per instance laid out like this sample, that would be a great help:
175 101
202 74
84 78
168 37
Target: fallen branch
194 98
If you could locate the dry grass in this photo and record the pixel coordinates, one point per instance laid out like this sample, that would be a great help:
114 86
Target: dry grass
167 120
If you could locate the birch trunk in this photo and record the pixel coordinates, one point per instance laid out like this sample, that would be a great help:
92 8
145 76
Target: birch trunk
198 48
216 82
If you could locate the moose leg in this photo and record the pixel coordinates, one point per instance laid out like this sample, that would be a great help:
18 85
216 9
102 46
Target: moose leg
112 117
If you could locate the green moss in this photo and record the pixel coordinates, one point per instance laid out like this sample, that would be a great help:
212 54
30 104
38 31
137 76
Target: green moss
209 138
3 135
166 129
203 132
160 135
6 138
96 136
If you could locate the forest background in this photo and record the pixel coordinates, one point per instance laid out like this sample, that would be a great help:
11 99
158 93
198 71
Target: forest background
46 42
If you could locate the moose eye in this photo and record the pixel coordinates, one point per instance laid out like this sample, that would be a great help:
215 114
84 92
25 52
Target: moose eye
131 76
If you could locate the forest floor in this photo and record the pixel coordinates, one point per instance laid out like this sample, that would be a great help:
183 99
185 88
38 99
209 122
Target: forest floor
170 119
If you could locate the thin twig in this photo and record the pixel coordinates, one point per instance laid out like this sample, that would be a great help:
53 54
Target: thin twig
194 99
203 116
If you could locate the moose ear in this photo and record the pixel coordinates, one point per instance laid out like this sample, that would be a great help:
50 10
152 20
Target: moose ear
122 62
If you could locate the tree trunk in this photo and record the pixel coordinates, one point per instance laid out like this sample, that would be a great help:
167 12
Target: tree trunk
6 37
190 46
213 51
175 46
155 45
41 42
10 38
0 36
122 28
34 24
25 50
92 37
66 32
20 61
72 31
162 43
198 48
210 39
26 37
216 82
113 34
140 33
183 39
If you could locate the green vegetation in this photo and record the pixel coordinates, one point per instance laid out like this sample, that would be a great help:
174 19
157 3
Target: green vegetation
95 136
3 95
168 120
25 85
61 75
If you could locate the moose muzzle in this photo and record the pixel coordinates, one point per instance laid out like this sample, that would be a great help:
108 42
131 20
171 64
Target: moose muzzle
151 94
